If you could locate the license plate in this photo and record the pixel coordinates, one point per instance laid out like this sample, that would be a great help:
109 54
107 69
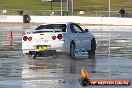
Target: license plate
41 48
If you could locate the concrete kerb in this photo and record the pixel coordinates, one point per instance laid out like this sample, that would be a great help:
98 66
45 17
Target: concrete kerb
98 21
83 20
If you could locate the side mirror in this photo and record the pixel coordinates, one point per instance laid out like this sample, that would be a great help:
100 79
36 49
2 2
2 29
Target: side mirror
86 30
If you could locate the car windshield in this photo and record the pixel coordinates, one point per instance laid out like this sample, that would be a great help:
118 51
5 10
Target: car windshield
52 27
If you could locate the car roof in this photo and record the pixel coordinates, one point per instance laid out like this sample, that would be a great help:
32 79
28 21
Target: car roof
57 23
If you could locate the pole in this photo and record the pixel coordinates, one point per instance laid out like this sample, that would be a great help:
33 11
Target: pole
72 7
51 6
109 8
109 31
67 7
61 7
109 50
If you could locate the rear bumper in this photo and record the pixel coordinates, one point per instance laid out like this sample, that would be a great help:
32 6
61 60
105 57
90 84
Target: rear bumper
58 46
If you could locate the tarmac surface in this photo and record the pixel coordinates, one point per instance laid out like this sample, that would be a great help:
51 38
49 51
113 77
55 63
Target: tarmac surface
113 60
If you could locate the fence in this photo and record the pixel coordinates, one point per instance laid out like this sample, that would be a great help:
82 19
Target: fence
32 12
65 13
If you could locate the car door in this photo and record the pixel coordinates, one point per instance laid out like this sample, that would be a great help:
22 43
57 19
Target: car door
78 36
86 40
82 36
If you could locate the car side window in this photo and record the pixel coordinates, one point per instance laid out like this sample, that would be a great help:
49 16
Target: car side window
75 28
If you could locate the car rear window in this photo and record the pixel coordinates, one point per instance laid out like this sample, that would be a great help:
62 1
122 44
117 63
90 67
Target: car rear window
52 27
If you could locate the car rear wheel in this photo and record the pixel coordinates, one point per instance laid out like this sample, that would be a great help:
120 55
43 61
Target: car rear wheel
72 50
91 53
33 54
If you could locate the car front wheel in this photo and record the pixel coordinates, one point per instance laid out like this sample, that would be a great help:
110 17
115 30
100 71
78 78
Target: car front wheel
91 53
72 50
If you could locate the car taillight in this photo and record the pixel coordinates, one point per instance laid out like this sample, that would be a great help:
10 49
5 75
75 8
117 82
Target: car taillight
29 38
25 38
60 36
53 37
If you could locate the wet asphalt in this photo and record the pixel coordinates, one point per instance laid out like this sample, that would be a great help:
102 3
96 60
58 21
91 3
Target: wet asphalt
113 60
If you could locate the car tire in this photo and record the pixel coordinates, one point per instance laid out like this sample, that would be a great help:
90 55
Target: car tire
32 54
91 53
72 50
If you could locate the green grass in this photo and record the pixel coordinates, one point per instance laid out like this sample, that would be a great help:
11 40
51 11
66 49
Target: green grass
85 5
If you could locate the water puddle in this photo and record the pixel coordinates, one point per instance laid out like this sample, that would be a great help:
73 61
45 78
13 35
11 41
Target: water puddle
112 61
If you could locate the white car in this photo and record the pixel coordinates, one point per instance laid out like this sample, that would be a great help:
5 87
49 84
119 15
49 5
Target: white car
58 37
